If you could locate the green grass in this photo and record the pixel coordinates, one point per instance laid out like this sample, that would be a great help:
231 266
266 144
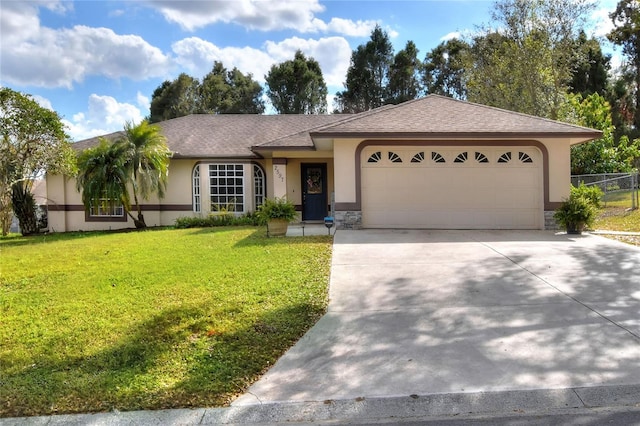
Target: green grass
149 320
617 219
620 199
615 214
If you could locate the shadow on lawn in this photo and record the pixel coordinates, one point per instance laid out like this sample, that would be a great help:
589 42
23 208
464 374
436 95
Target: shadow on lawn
176 359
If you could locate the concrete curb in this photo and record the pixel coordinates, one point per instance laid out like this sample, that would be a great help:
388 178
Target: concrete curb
603 232
362 410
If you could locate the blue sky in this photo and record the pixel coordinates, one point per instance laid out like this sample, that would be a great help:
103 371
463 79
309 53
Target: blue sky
97 62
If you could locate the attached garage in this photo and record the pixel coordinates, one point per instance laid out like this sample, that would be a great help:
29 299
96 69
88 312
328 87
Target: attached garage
445 187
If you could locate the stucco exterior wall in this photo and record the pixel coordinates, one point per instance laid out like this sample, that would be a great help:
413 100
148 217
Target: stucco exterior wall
344 151
559 168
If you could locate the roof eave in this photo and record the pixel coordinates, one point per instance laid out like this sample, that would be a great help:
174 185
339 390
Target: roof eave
177 155
584 136
282 148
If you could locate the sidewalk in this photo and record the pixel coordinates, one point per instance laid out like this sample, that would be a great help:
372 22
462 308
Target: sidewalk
413 408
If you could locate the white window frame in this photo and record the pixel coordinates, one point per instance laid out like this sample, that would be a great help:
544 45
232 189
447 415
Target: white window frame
197 194
106 207
230 193
259 186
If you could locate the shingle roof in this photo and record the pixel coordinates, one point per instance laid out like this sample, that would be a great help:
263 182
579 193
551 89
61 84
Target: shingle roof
230 135
436 115
242 135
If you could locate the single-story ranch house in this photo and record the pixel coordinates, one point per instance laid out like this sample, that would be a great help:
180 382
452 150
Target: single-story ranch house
433 162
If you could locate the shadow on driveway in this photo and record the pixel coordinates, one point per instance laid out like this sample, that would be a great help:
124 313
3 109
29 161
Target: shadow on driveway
430 312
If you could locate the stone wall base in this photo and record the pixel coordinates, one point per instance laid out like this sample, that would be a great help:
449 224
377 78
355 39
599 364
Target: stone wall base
550 223
348 220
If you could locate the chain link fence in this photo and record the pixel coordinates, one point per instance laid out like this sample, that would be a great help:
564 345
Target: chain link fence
620 189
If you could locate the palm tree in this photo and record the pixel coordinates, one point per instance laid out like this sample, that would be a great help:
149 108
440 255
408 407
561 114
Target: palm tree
147 163
138 160
102 175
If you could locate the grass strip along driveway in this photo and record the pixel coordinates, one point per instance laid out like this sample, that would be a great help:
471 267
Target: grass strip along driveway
150 320
615 215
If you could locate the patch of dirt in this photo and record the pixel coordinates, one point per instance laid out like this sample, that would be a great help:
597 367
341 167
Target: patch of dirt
612 211
629 239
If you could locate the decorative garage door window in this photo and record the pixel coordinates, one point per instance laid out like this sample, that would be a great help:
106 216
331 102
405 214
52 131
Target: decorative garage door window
524 157
481 158
461 158
443 156
394 158
505 158
418 158
226 186
437 157
375 157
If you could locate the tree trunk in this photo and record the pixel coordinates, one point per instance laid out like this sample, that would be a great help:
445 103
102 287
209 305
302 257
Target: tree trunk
24 207
139 222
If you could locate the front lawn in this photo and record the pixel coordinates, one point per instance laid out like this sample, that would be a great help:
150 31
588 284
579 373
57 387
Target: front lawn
150 320
615 215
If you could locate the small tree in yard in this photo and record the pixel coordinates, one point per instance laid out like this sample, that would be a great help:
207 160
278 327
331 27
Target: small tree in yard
139 161
32 141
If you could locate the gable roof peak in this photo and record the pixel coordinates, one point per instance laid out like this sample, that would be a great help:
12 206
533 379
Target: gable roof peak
441 116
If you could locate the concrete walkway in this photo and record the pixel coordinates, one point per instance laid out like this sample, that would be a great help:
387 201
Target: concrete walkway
439 312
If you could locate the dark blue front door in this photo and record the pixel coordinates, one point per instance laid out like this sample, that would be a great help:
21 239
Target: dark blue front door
314 191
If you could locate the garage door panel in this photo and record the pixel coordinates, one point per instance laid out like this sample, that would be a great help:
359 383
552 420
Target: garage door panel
469 195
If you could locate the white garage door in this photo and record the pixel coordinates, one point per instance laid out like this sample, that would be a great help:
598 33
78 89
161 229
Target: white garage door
452 187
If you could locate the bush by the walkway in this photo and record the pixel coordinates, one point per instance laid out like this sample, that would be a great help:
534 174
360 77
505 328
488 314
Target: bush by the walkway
212 220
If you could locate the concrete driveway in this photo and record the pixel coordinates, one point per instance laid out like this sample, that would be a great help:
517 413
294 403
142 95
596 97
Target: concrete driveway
430 312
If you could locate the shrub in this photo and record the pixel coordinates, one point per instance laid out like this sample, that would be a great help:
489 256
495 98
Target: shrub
277 208
226 219
592 193
576 212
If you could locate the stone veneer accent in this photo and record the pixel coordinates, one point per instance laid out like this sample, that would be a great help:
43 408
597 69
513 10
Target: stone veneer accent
348 220
549 222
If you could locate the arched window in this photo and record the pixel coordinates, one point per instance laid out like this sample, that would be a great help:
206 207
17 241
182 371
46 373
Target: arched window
259 185
197 202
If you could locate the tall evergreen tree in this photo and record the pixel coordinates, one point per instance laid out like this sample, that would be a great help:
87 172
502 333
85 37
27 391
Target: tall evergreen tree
404 75
230 92
444 69
297 86
626 33
221 92
175 98
368 75
590 67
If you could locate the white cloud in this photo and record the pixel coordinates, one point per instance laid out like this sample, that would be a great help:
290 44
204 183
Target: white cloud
197 57
104 115
143 101
349 28
43 102
451 36
601 22
256 15
332 53
60 58
263 15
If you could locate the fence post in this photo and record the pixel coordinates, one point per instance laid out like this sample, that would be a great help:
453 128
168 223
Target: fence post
634 192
